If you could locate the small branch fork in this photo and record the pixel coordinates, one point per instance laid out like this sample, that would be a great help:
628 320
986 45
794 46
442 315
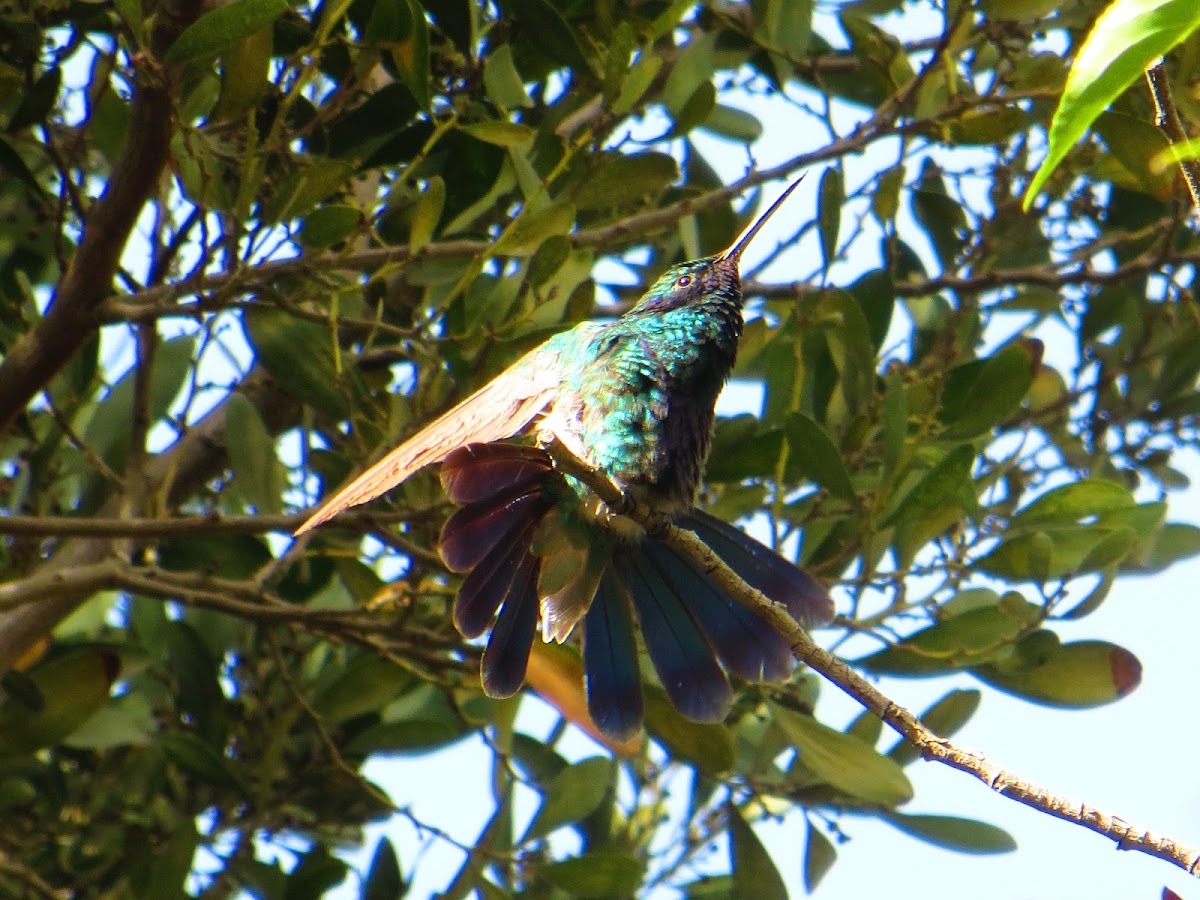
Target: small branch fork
899 719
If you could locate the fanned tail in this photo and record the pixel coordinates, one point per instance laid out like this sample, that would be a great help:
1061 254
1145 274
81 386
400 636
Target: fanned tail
527 557
500 409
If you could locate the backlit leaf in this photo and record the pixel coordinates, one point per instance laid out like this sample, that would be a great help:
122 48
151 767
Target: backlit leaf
1125 37
754 872
843 761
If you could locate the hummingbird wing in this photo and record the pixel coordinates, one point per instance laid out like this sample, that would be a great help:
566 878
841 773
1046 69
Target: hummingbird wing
500 409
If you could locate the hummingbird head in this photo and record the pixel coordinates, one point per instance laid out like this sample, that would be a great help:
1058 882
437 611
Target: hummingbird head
713 276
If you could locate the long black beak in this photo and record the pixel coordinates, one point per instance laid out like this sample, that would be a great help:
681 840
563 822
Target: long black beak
738 247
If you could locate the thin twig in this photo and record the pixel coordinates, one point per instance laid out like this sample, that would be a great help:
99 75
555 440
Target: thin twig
1167 119
210 524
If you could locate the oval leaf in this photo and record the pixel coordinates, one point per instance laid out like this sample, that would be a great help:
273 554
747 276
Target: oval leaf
1078 675
843 761
223 27
954 833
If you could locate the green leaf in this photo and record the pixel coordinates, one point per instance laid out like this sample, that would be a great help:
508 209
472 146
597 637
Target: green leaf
14 164
735 124
107 432
299 355
384 879
692 70
696 111
245 75
532 226
305 187
601 873
944 718
197 680
843 761
555 36
124 721
1137 143
502 81
819 857
1126 36
957 642
622 178
1078 675
427 213
848 336
812 453
894 421
1073 502
1175 542
223 27
317 872
954 833
941 486
707 745
754 872
502 134
198 757
329 225
366 685
410 52
42 706
784 25
830 197
982 394
572 795
252 456
938 213
641 78
875 294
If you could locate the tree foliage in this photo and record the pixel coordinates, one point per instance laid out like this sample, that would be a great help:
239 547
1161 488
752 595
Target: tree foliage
246 245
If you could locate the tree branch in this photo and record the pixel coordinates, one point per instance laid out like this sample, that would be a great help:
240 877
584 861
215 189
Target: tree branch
73 314
175 474
899 719
70 526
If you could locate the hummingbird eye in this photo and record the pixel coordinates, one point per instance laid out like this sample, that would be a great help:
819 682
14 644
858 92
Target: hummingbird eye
683 281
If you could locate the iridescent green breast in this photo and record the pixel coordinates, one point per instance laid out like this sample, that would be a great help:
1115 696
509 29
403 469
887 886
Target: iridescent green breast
647 385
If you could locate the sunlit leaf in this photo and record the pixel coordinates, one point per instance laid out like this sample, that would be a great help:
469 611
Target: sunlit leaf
843 761
1126 36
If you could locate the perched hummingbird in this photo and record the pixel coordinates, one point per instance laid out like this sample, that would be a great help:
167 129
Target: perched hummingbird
634 398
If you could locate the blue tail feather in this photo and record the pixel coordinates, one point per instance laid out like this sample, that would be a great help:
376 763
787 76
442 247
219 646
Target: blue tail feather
747 645
682 656
479 472
507 655
762 568
473 531
610 663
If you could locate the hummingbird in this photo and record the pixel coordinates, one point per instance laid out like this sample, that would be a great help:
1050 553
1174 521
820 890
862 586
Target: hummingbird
633 398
